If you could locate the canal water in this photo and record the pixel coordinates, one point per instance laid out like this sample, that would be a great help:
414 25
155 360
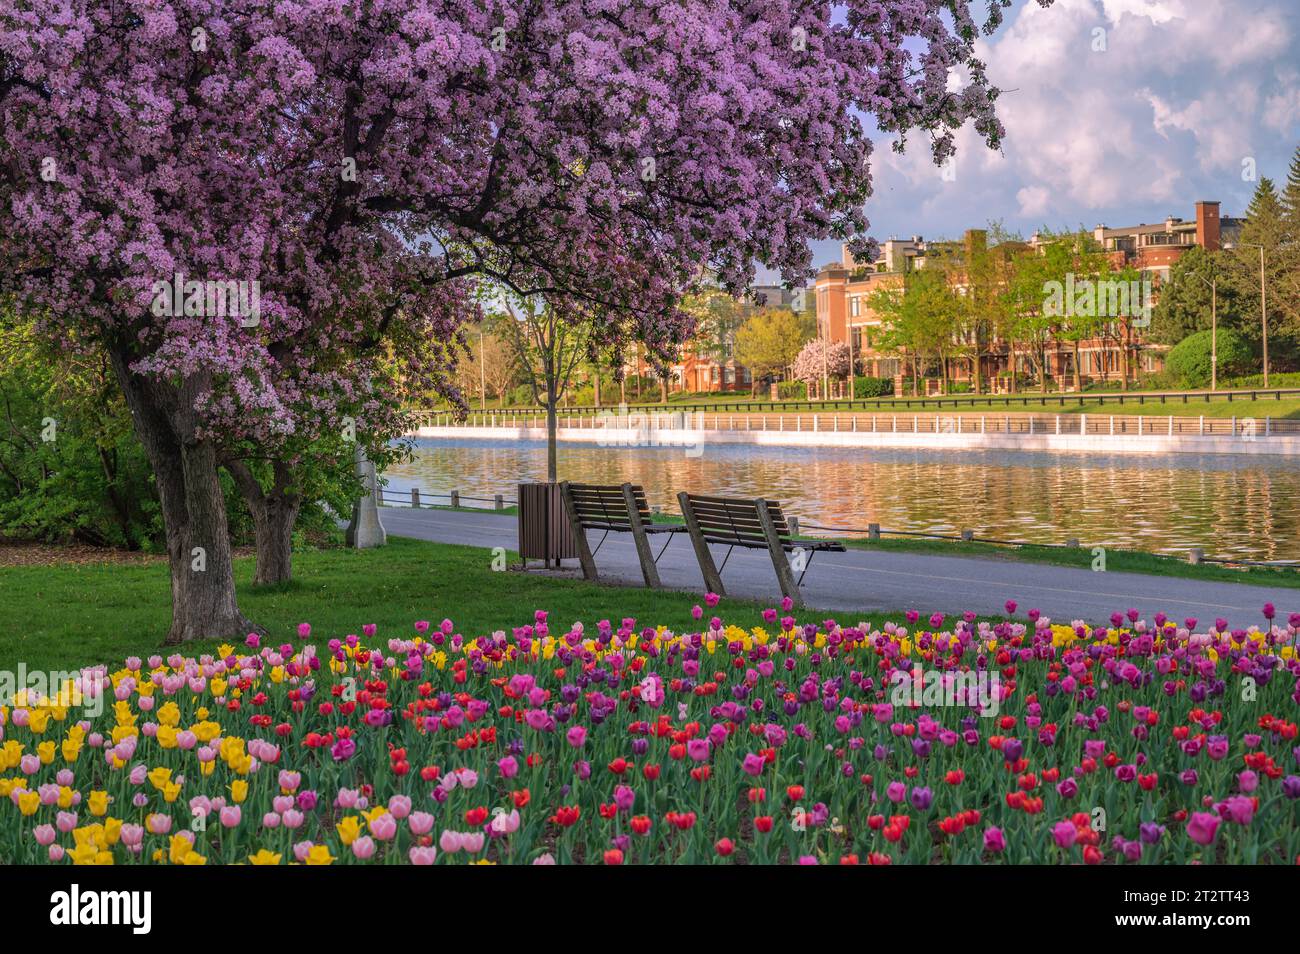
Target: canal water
1229 506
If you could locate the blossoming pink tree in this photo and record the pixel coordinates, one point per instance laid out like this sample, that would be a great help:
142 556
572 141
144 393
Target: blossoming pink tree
361 162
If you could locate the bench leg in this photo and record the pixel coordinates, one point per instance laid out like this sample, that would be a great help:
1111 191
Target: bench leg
780 562
579 535
712 578
643 551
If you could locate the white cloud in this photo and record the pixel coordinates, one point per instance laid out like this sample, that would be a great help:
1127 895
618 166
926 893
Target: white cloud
1162 117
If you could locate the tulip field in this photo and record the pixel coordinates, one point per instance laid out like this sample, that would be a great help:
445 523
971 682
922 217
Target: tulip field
927 740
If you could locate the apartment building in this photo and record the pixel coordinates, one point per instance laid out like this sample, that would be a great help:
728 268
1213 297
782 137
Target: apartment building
844 290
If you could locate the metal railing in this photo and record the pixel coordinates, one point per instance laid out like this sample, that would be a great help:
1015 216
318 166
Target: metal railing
417 499
1082 424
1026 400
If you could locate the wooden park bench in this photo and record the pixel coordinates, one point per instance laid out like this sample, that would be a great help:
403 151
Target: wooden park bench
614 508
753 524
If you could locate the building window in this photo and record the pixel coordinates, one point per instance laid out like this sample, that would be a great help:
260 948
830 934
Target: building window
855 306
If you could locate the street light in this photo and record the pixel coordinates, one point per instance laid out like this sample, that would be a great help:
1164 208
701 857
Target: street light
1263 304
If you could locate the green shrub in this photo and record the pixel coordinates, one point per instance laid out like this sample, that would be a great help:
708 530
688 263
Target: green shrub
792 391
866 387
1286 379
1188 362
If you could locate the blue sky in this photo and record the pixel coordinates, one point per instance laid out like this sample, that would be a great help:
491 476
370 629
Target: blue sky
1173 101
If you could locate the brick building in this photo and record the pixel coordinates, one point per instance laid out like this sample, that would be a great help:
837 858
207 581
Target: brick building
844 289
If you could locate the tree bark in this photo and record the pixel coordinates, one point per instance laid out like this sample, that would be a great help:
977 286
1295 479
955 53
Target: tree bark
204 605
274 514
551 438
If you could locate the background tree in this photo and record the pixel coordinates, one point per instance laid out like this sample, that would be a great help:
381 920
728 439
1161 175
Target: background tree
818 357
918 320
1273 222
489 363
1083 257
1184 306
768 343
549 345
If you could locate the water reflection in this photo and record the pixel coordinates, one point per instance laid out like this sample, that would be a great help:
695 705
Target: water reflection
1230 506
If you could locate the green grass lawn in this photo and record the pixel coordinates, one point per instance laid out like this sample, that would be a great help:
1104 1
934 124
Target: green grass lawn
69 615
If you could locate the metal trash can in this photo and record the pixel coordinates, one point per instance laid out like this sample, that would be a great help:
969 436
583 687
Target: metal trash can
544 532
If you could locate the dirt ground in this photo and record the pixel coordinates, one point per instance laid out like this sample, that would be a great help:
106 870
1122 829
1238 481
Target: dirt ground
24 553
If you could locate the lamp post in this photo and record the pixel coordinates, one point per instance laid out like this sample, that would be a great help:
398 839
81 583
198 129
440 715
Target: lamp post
1263 305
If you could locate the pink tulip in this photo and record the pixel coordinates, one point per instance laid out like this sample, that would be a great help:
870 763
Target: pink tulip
363 847
422 855
384 827
449 841
1202 827
1064 834
421 823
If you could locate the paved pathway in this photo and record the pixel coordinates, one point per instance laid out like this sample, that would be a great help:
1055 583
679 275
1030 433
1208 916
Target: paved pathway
865 580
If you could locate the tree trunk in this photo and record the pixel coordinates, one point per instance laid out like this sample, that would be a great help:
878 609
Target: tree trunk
204 605
1012 380
552 426
1078 380
274 514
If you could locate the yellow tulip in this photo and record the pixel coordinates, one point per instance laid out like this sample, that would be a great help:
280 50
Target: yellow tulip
46 752
205 731
320 855
98 803
349 829
166 737
112 830
169 714
264 857
238 790
28 802
178 847
160 776
122 712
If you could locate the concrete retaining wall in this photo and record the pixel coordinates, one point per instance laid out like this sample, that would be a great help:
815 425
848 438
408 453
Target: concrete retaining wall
693 442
